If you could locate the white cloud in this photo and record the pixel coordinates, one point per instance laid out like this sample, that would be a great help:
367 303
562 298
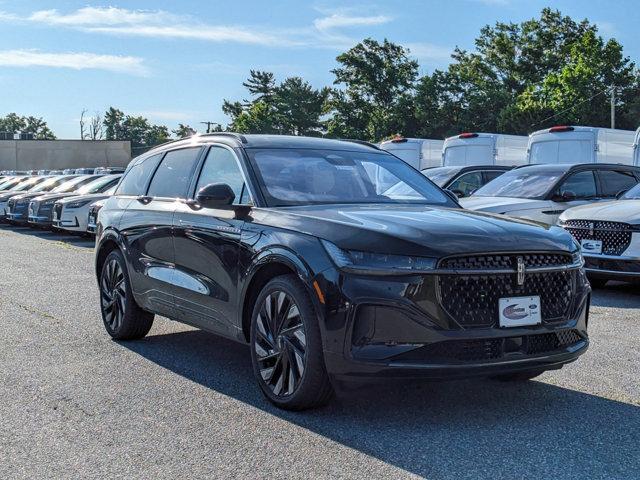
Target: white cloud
73 60
607 29
156 24
430 52
341 20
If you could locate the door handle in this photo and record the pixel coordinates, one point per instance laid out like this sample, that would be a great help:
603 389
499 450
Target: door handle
143 199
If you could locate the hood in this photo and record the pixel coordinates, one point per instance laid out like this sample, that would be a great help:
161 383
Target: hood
93 197
7 195
27 196
416 230
627 211
43 197
502 204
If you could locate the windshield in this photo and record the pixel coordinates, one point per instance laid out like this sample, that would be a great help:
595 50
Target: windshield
305 176
27 184
11 184
440 175
632 194
528 182
73 184
48 184
98 185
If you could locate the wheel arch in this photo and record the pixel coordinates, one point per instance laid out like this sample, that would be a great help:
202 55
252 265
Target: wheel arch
108 243
266 266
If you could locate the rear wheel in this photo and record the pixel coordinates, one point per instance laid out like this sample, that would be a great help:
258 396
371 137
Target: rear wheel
519 376
286 348
123 318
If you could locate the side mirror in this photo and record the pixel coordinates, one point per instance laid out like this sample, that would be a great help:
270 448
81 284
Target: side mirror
621 193
566 196
215 195
451 195
458 193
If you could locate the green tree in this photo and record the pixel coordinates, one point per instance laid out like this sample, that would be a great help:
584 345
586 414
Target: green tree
578 93
14 123
299 106
183 131
376 80
113 119
293 107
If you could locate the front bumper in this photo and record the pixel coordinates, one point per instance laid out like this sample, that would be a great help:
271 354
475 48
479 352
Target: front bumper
393 327
612 267
17 214
67 222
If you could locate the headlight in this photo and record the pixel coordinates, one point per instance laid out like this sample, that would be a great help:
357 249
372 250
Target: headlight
576 255
77 204
377 263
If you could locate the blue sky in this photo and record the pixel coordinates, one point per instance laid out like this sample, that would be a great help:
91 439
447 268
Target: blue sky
175 62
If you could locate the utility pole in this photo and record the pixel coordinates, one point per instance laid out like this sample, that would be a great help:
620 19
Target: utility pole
208 124
613 106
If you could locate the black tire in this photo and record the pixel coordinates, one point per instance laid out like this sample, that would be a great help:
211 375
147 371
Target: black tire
519 376
598 282
122 317
285 335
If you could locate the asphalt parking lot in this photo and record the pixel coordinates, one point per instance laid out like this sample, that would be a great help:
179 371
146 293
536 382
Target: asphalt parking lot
183 403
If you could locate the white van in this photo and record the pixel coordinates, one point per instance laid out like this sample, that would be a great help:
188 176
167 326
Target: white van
574 144
484 149
420 153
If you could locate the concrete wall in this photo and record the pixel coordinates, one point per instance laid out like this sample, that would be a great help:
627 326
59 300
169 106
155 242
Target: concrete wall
58 154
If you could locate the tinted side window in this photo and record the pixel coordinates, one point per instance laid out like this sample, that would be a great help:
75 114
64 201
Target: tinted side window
615 181
583 184
221 167
467 183
491 175
173 176
135 181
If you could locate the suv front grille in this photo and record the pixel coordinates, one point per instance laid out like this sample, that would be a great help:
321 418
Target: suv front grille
505 262
492 349
615 236
472 299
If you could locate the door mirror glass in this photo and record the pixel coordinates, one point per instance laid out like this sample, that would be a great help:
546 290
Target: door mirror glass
566 196
452 195
215 195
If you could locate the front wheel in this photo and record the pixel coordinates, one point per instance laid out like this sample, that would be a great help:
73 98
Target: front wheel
286 348
123 318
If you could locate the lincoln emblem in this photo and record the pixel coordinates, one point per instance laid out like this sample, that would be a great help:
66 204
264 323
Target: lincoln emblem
521 271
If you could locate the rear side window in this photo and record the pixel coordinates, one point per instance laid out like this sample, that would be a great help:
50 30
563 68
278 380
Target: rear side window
491 175
615 181
582 184
135 181
173 176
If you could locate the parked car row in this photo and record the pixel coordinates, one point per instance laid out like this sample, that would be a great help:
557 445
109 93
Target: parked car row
53 201
66 171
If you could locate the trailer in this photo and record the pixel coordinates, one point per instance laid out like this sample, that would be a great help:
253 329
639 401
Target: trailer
485 149
420 153
578 144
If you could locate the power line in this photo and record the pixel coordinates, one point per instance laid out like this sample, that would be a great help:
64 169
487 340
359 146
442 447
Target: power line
570 108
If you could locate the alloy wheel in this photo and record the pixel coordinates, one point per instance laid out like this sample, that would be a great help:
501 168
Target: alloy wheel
280 343
113 294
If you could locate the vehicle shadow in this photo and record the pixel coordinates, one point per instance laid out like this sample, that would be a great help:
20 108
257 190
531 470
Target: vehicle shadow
617 295
450 430
54 236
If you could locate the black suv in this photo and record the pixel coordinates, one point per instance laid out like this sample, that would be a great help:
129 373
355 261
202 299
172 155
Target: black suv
295 246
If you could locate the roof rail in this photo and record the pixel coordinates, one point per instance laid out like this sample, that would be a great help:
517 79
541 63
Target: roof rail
360 142
237 136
